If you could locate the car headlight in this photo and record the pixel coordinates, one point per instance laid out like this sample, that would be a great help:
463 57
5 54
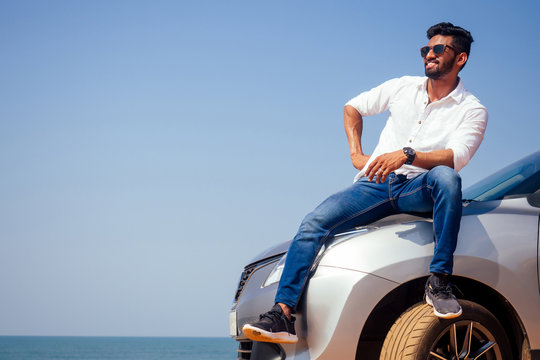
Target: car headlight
275 274
277 271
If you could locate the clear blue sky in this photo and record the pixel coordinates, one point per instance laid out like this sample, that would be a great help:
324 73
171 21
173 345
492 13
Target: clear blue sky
149 149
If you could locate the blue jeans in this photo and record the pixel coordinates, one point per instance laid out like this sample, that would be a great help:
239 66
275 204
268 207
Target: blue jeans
438 190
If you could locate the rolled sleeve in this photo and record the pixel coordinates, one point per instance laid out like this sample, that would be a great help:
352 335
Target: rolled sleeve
376 100
467 138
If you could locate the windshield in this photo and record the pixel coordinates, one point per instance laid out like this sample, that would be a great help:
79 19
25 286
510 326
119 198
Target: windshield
516 180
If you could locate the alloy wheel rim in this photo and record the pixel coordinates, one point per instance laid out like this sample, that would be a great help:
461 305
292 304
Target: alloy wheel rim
465 340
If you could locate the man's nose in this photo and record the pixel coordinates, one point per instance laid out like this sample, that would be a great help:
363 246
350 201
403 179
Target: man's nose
431 54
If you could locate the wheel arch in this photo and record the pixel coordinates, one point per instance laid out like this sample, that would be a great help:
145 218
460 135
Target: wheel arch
390 307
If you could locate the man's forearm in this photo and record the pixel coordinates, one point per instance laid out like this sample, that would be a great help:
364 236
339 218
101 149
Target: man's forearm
428 160
353 128
384 164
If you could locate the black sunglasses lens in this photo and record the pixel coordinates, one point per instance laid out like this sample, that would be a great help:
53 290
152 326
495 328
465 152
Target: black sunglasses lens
438 49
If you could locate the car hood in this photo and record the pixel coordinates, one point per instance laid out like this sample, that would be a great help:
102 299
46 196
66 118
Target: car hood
274 251
283 247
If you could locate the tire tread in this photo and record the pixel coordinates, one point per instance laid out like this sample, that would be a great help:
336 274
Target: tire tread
410 336
407 332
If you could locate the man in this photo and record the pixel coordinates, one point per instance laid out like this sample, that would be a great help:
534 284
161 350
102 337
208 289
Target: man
434 128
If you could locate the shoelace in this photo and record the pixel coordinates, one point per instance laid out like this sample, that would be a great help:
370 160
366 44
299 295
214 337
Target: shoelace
273 315
445 291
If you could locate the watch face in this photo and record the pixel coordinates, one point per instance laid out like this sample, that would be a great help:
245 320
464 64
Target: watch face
410 153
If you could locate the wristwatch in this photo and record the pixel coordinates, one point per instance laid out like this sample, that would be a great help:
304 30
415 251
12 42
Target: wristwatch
411 155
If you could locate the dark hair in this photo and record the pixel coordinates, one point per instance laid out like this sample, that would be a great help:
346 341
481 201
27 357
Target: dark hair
461 38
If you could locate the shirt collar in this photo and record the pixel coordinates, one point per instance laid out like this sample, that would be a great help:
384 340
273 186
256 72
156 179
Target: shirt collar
456 94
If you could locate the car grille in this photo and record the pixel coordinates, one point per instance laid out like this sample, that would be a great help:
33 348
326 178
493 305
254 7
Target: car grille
244 349
243 280
245 346
248 270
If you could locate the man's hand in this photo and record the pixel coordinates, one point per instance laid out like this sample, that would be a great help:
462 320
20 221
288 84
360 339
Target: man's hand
359 160
384 165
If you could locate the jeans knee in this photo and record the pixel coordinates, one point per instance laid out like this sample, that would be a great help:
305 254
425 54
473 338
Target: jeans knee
446 179
313 223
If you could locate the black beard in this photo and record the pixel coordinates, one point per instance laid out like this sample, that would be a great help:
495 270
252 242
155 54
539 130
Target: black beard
434 74
441 71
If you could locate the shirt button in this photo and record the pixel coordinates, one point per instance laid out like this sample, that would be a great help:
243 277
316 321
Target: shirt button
419 121
410 141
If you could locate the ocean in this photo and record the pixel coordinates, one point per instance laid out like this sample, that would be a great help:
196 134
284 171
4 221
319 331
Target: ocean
117 348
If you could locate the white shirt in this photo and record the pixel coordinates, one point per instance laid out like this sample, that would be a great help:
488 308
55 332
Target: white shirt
457 122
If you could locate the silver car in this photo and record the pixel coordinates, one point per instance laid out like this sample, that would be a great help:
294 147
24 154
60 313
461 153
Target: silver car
365 296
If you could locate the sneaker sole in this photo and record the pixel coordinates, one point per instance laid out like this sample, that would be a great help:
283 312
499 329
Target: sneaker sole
440 315
256 334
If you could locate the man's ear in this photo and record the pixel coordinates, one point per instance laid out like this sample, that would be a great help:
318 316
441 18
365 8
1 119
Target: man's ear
461 59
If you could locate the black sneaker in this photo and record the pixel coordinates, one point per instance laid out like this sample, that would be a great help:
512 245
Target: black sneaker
273 327
439 295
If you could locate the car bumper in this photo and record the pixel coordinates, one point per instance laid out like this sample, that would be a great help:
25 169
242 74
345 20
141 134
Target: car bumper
332 332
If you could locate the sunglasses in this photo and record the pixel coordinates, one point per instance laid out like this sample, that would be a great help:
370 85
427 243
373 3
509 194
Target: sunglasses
437 49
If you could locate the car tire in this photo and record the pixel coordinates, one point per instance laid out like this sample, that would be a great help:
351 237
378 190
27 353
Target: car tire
419 335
